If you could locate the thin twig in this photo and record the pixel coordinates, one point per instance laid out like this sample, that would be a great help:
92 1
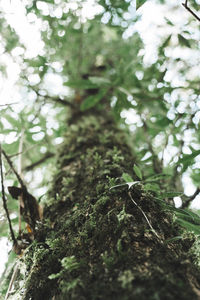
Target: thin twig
157 167
190 199
8 104
38 111
40 161
20 202
12 167
145 216
175 174
56 99
4 200
59 100
20 150
190 10
164 148
26 150
14 275
167 139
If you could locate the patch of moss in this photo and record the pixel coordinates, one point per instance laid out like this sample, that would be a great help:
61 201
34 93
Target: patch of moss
125 278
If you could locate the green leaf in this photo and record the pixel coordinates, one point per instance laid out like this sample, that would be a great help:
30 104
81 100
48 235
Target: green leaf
169 22
174 239
11 148
137 171
166 42
92 100
171 194
183 41
81 84
139 3
127 177
54 276
188 157
189 226
9 130
125 91
99 80
188 215
163 122
157 177
195 176
151 187
15 123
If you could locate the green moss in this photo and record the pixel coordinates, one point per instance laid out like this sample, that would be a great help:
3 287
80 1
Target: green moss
70 286
90 224
66 183
125 278
195 250
100 187
109 260
55 243
105 138
98 163
101 203
111 182
68 264
123 216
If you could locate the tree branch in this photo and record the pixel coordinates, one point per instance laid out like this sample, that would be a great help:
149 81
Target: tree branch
24 151
40 161
9 104
60 101
13 278
4 201
12 167
189 200
157 167
57 99
190 10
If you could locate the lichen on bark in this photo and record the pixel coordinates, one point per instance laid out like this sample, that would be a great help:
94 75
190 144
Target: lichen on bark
94 242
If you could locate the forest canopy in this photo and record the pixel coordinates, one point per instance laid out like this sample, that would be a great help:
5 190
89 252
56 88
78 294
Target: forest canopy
142 55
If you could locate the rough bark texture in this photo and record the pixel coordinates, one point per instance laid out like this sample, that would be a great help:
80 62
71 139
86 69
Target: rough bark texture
95 243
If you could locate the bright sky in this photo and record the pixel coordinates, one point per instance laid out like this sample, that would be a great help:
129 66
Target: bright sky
28 28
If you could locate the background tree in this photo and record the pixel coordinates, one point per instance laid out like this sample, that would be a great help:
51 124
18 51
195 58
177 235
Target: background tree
98 238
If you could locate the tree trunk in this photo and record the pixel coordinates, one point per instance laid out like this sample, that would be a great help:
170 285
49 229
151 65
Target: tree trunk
102 243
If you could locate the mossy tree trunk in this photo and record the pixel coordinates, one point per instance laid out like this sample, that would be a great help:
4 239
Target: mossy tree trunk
98 243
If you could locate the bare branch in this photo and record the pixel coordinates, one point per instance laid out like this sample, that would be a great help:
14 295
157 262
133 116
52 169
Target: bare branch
26 150
13 278
9 104
190 10
40 161
63 102
4 201
190 199
19 170
57 99
13 169
156 163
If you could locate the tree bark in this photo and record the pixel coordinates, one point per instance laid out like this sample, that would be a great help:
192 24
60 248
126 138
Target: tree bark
102 243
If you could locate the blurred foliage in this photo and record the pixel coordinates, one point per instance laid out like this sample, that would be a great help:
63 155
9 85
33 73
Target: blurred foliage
155 101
